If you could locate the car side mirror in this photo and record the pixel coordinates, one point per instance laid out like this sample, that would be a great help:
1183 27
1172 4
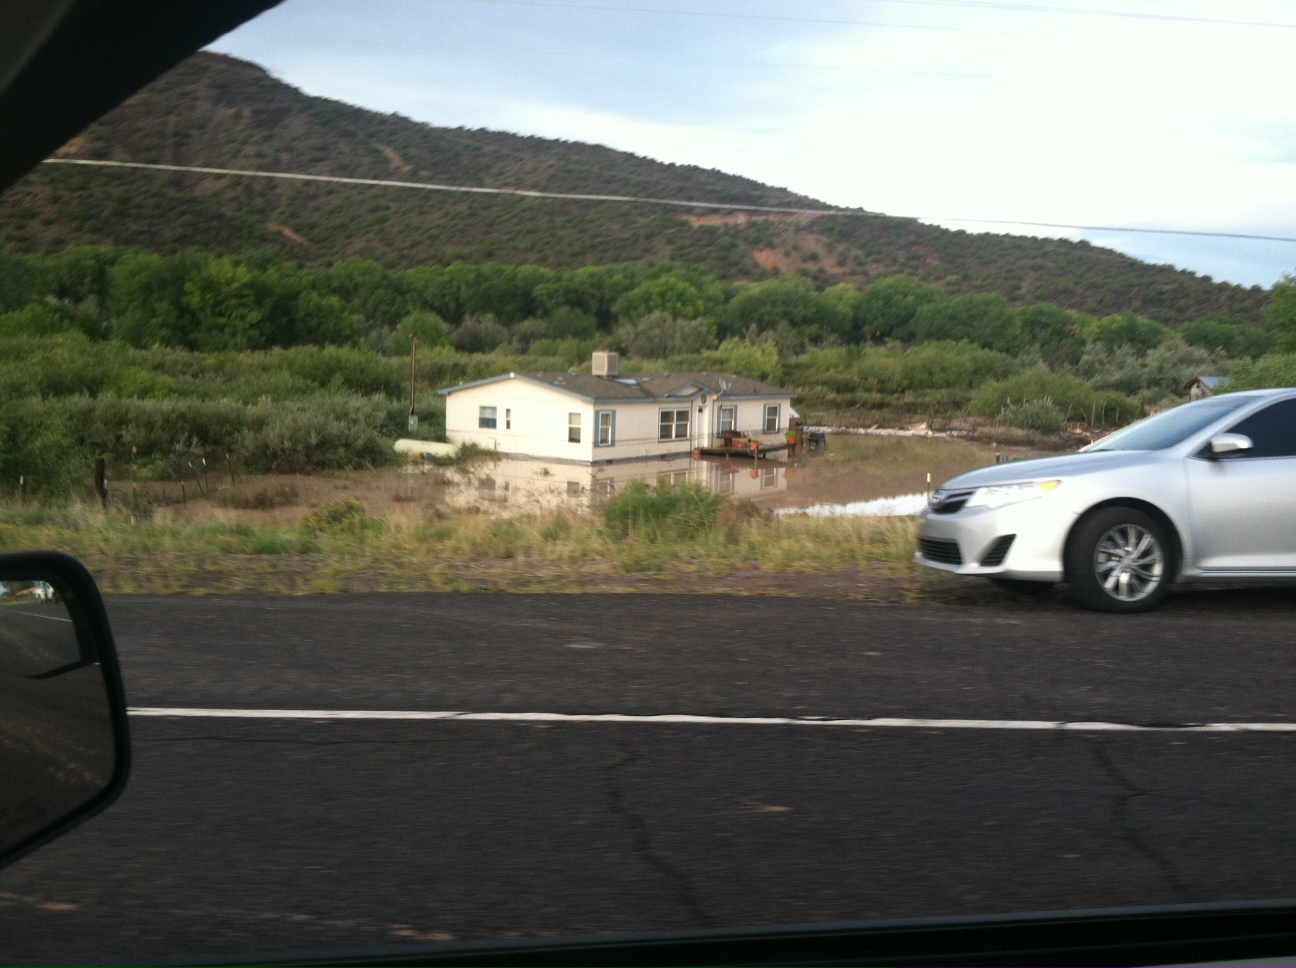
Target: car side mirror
1221 445
64 739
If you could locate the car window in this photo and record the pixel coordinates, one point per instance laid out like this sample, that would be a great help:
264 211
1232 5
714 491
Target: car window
1272 431
1173 426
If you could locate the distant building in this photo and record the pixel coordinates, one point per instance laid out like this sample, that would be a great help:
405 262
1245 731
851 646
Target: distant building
1200 387
606 416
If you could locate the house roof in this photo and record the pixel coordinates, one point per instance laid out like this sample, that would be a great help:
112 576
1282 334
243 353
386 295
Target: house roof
632 387
1209 382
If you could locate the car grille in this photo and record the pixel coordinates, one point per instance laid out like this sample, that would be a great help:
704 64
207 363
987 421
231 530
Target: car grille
946 552
998 551
947 502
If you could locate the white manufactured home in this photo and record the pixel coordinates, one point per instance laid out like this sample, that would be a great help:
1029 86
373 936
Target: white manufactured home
606 416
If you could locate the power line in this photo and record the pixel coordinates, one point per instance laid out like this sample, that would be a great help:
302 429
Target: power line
638 200
1114 228
474 190
983 4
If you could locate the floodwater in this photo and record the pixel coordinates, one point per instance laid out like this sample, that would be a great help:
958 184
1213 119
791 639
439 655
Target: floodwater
858 475
852 475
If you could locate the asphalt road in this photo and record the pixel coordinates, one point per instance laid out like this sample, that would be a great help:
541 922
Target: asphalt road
271 834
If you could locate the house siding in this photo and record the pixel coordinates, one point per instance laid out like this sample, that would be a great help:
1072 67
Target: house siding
539 422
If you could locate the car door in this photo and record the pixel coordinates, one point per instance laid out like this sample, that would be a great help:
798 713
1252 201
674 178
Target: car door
1242 506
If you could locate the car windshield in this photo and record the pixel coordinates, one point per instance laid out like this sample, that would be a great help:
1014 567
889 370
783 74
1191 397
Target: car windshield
1172 427
502 431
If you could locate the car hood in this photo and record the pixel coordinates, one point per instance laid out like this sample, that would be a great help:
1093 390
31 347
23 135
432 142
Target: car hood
1045 468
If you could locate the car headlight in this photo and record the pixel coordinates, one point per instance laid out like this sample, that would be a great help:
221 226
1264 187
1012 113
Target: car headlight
1001 495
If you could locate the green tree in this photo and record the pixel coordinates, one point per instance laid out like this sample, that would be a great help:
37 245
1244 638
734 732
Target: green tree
20 280
659 335
1219 332
222 301
430 329
1280 314
1057 332
669 295
983 319
479 334
887 308
1129 329
147 297
791 301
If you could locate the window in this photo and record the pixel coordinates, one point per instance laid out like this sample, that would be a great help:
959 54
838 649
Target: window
508 419
605 427
769 477
771 418
575 489
1272 431
672 478
573 428
728 418
674 424
486 417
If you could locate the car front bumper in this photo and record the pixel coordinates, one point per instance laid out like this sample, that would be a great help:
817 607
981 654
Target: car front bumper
971 541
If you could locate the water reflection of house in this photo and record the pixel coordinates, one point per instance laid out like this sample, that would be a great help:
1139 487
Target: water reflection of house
526 484
604 416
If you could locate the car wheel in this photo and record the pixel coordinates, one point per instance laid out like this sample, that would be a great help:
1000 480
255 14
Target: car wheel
1120 560
1022 586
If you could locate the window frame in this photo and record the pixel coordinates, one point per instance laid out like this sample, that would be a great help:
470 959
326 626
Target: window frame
598 428
732 410
573 427
777 409
674 423
487 423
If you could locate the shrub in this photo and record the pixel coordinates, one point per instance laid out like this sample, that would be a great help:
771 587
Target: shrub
1073 397
1040 414
663 512
342 513
1274 370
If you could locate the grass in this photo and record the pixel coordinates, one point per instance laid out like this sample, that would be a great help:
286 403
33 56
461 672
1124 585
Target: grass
330 549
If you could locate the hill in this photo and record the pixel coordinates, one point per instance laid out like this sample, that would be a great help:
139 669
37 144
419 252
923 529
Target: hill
216 111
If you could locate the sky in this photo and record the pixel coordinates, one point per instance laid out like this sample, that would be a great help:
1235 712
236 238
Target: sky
1121 114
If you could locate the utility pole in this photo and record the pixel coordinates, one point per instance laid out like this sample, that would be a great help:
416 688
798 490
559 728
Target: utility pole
413 417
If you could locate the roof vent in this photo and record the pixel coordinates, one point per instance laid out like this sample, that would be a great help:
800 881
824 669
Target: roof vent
604 364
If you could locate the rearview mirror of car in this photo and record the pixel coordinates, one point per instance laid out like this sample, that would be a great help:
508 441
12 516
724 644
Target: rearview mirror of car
64 740
1221 445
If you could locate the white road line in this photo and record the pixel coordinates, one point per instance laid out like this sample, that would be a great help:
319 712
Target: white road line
167 712
48 618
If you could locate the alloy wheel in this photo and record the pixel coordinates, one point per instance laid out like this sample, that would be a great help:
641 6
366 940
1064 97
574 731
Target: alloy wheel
1129 562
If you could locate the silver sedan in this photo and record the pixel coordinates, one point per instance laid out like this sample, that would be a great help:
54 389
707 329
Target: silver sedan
1205 492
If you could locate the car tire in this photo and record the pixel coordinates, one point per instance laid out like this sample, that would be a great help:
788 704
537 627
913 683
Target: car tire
1120 560
1022 586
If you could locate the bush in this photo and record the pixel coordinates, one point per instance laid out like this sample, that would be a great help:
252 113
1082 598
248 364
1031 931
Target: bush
1074 398
1274 370
1040 414
664 512
345 512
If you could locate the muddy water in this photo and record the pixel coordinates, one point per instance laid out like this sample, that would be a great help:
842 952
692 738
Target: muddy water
865 474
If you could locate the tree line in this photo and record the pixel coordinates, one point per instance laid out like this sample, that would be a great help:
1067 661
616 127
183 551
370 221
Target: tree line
202 301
